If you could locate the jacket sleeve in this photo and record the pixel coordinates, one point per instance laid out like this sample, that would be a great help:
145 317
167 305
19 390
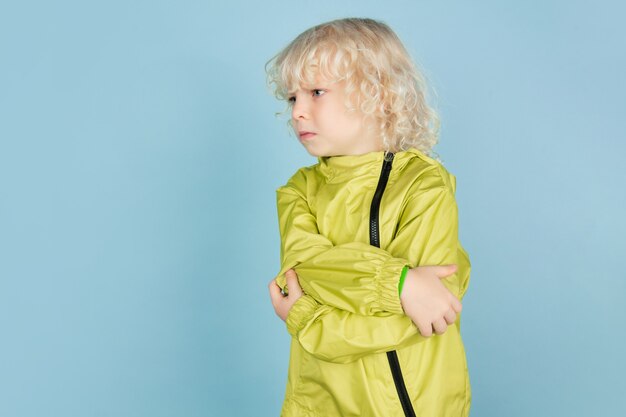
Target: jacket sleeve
428 231
354 276
427 235
339 336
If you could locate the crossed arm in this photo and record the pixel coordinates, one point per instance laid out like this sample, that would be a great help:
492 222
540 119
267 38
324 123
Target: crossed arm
351 306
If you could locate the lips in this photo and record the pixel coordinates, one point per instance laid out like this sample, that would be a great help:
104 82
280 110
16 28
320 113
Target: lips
305 134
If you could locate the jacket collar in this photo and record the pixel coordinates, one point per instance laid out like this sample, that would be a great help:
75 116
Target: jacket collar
336 168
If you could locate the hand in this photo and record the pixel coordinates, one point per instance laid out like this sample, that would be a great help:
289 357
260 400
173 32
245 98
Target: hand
428 303
282 303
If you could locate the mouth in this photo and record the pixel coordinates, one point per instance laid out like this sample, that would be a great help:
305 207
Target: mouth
306 135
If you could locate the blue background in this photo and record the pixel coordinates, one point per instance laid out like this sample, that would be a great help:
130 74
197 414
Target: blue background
139 157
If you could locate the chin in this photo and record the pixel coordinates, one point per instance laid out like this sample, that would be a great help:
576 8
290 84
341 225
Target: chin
311 152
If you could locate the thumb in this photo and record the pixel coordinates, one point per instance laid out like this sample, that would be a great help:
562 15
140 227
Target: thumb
447 270
292 281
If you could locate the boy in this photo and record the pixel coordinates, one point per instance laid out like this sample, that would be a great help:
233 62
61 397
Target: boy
369 235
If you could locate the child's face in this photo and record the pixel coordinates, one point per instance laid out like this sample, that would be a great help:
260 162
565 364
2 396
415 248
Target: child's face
320 109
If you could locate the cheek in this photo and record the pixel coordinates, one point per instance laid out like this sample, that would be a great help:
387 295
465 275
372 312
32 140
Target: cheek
352 123
339 118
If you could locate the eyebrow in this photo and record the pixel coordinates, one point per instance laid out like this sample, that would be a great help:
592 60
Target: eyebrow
315 87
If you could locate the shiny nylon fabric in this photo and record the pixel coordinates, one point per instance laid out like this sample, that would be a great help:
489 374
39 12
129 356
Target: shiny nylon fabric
351 313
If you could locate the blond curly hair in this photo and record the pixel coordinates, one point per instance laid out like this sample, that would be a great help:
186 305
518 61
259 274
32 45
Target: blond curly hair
381 78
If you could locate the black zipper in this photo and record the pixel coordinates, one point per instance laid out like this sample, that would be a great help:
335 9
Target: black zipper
392 356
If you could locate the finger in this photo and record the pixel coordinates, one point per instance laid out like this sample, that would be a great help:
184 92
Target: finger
273 285
456 304
440 326
292 277
445 271
294 285
425 330
450 316
275 292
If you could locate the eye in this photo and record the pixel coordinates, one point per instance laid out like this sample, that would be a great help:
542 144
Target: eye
292 99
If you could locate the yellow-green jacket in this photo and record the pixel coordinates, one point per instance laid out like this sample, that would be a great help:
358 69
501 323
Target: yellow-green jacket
351 315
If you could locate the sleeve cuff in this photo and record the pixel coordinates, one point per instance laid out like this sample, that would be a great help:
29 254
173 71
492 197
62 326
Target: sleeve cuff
402 277
388 285
300 314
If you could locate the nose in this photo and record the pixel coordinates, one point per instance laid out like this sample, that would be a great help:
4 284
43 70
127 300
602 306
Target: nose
300 109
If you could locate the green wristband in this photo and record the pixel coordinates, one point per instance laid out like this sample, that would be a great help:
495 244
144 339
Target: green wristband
402 276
